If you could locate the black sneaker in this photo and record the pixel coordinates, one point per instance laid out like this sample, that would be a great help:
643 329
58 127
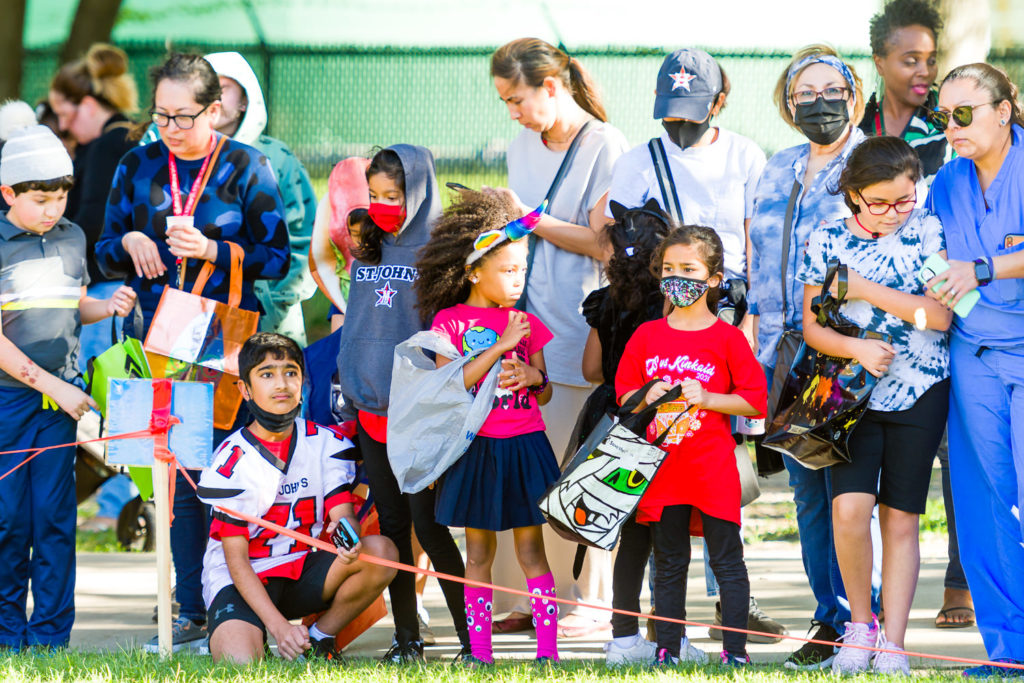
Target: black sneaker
324 649
756 621
409 652
813 656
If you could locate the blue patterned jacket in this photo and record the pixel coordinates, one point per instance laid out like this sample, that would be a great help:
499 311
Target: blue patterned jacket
816 206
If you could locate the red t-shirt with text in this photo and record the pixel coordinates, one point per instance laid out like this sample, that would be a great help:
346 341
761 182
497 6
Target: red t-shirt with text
700 468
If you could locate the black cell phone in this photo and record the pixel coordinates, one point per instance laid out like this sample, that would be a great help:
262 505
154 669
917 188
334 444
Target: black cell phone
344 536
457 186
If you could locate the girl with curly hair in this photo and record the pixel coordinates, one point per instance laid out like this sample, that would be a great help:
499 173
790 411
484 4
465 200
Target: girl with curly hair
471 274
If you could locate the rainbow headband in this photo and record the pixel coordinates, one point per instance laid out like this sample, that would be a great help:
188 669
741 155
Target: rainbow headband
833 61
512 232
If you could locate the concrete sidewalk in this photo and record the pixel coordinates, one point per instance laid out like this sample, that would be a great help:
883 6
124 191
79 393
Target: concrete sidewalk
116 593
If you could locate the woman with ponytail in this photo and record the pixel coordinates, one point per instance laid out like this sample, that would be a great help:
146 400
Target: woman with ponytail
554 99
979 197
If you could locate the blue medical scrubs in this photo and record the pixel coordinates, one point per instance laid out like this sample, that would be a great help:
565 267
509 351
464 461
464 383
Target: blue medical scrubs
986 417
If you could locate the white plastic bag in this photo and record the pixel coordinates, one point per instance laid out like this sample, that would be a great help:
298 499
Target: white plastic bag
432 417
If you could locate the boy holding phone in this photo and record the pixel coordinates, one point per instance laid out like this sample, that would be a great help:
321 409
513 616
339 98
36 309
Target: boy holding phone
298 475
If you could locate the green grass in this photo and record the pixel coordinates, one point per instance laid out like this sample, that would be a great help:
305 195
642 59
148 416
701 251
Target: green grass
933 521
137 666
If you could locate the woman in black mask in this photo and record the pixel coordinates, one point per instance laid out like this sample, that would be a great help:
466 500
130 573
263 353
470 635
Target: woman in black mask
708 177
710 173
819 95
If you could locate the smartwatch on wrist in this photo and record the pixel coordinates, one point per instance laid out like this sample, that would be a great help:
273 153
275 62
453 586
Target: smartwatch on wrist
983 271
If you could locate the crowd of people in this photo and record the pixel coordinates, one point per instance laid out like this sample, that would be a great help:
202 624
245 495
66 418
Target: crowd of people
680 274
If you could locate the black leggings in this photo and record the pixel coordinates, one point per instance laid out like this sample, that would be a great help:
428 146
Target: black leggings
628 575
671 537
398 513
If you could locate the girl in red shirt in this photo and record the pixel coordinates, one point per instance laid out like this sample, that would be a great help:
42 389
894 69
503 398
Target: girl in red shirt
697 489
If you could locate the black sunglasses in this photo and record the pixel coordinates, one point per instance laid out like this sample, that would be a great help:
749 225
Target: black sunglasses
963 115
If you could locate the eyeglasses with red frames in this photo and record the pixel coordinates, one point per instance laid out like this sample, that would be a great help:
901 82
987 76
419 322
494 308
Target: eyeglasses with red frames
882 208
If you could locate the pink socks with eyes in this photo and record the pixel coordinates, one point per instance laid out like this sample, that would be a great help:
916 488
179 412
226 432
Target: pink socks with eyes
478 620
545 615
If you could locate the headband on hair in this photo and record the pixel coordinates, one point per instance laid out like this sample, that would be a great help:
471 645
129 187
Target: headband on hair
512 232
833 61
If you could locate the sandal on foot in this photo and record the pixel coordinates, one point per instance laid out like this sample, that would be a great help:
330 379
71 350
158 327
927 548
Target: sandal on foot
945 622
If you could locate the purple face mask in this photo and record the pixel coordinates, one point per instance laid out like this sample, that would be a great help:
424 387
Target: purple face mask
683 291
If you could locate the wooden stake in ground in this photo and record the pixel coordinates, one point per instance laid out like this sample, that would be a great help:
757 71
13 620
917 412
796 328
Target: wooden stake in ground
161 499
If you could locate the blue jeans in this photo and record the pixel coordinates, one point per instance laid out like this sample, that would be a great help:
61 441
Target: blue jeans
955 578
812 493
189 533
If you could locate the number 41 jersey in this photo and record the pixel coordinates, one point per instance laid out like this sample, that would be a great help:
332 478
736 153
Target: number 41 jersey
296 491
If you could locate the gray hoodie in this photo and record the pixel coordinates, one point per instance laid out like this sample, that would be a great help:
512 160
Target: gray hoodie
382 303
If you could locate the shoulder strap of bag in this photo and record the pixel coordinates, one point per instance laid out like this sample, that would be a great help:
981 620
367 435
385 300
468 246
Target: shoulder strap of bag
563 170
787 230
202 188
235 276
825 301
669 198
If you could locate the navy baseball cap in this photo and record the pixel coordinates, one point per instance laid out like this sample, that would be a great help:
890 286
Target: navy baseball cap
688 83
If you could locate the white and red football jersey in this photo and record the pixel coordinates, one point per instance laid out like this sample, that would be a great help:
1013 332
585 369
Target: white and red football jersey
295 492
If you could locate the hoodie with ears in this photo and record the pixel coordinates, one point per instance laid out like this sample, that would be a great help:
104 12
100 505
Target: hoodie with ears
382 303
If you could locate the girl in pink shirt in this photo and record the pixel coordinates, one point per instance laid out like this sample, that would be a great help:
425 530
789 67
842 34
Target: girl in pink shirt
471 274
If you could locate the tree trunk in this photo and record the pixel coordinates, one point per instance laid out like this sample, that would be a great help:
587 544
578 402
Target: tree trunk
12 31
93 23
967 35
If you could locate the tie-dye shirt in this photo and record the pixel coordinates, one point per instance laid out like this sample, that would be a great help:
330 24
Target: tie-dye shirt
922 356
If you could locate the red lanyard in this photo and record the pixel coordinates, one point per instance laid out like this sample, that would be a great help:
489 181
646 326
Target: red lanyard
193 195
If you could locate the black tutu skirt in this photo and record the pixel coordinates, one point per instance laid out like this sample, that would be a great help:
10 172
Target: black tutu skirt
497 483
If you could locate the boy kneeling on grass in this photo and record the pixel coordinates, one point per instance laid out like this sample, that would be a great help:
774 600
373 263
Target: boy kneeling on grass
298 475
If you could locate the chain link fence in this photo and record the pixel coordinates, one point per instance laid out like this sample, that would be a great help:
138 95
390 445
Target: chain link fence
330 103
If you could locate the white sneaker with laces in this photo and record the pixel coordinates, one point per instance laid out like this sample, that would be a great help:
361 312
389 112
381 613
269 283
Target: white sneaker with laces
851 660
891 663
638 651
688 653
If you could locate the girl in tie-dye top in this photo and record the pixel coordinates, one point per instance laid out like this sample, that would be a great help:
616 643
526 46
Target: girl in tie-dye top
884 244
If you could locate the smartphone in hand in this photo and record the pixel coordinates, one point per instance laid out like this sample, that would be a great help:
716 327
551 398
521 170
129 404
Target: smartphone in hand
936 265
344 536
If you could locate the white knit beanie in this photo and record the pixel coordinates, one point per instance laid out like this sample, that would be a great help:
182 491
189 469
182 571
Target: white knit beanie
31 151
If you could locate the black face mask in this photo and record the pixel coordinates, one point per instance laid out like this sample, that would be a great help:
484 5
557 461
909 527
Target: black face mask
686 133
822 121
275 423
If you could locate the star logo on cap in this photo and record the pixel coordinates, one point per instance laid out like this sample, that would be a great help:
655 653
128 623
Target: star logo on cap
682 79
385 295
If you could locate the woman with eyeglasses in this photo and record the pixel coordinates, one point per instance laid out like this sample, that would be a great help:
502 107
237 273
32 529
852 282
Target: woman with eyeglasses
979 197
239 203
821 96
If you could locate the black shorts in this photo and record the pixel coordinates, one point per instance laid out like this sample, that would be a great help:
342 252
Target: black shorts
893 452
295 598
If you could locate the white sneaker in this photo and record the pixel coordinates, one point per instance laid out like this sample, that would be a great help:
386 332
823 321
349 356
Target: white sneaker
891 663
639 651
690 654
851 660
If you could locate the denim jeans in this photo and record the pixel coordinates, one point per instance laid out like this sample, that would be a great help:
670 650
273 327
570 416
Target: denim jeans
812 494
189 533
955 578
